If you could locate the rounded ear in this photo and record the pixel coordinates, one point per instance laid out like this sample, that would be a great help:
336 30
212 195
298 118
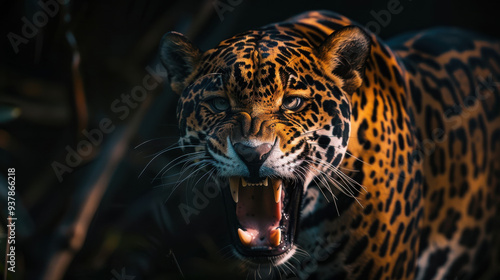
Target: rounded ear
180 57
344 53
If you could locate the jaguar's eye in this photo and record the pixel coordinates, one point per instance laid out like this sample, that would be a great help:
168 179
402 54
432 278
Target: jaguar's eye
219 104
292 103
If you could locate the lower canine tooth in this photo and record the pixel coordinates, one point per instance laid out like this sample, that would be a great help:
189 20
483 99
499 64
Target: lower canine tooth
234 183
275 237
265 182
243 182
245 237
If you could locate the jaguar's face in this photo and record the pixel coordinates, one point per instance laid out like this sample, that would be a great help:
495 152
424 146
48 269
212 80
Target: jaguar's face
269 116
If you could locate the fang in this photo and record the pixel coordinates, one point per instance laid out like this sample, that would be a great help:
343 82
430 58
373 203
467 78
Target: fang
245 237
234 183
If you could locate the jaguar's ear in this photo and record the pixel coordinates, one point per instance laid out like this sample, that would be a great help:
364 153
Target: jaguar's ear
344 53
180 57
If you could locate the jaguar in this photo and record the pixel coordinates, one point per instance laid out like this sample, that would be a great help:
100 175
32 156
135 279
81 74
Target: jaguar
367 159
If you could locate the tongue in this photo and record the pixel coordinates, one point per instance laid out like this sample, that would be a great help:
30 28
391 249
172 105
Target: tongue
258 214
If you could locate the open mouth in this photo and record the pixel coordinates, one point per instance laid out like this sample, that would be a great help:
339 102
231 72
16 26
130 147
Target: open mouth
263 215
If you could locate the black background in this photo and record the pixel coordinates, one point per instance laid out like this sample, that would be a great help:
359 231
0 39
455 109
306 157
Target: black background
132 227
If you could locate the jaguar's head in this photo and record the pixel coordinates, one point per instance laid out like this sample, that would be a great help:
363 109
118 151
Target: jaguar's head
269 112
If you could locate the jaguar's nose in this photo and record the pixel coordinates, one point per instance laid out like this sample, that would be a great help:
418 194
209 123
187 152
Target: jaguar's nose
253 157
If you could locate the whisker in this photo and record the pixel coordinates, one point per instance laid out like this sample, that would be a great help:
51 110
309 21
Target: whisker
347 152
349 169
338 172
184 162
321 190
154 139
179 182
173 163
325 184
201 178
301 252
157 155
168 149
346 191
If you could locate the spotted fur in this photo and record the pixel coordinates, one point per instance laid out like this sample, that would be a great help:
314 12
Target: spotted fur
414 123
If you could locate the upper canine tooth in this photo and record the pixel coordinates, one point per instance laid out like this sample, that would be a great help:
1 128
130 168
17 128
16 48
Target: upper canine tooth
277 192
234 183
243 182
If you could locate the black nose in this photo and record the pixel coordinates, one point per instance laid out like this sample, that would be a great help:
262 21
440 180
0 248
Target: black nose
253 157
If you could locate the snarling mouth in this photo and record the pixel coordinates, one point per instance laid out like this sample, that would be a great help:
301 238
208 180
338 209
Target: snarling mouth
263 215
